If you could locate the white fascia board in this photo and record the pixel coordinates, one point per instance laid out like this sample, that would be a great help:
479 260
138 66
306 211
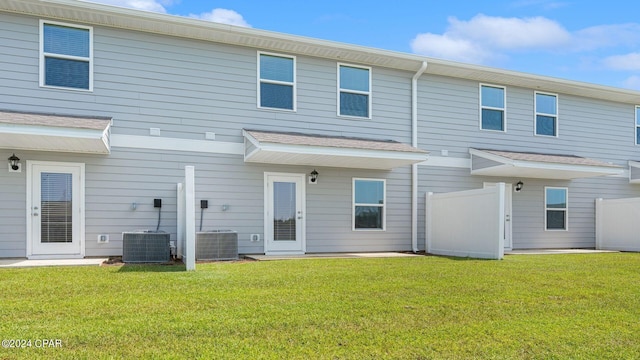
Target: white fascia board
51 131
173 144
341 152
445 161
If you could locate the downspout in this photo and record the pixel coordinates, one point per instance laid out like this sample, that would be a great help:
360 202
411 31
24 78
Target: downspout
414 167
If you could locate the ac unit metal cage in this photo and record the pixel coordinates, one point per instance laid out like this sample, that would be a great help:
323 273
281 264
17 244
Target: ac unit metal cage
217 245
146 247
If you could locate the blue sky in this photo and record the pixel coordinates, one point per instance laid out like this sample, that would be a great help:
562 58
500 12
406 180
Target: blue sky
592 41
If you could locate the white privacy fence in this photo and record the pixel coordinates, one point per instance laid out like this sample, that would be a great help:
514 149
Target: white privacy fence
186 244
618 224
466 223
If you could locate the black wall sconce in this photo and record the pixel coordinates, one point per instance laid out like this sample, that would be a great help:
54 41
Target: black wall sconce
313 177
519 186
14 162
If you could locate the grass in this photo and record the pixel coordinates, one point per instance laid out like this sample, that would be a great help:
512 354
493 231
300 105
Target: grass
523 307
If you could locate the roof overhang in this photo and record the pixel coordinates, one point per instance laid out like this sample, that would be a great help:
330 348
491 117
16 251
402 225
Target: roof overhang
330 151
538 166
48 132
171 25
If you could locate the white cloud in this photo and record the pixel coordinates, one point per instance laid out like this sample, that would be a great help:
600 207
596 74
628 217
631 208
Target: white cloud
484 37
223 16
623 62
603 36
633 82
147 5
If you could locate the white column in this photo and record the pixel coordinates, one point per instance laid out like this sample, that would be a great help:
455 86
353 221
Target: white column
190 222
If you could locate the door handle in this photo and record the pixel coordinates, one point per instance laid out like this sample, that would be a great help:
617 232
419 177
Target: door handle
35 214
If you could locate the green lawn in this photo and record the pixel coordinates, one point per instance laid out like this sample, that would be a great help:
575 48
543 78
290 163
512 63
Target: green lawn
523 307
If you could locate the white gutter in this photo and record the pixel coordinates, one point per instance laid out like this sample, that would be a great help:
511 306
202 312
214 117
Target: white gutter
414 167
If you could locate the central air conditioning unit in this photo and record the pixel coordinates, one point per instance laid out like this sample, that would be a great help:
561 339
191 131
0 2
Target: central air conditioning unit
146 247
217 245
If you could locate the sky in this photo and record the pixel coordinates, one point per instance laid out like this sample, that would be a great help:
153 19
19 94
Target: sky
591 41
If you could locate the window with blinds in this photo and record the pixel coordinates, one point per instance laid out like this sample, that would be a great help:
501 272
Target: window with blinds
284 211
66 56
56 199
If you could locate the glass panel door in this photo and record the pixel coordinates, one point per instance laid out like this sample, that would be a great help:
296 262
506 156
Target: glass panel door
55 210
284 217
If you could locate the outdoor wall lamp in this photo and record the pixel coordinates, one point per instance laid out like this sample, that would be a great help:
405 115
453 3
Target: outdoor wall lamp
519 186
313 177
14 162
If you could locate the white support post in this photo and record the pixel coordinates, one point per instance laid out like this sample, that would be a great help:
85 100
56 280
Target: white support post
427 222
598 223
500 188
181 221
190 222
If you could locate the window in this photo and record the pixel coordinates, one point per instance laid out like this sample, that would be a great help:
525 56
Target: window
492 108
637 125
354 91
277 86
546 114
66 56
369 204
556 208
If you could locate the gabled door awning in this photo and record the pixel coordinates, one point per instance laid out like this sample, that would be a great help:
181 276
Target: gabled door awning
49 132
333 151
534 165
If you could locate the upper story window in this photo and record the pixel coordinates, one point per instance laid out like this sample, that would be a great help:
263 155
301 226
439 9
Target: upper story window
354 91
369 200
637 125
66 56
556 208
546 122
277 81
492 108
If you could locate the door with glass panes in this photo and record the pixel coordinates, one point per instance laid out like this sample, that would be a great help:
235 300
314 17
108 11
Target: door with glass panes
55 210
284 213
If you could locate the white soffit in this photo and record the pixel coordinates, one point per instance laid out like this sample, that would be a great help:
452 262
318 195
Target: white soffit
328 151
538 166
48 132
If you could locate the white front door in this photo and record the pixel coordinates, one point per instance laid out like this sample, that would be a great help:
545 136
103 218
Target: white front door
54 210
284 214
508 196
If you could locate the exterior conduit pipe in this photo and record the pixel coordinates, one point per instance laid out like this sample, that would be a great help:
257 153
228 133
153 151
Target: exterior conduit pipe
414 167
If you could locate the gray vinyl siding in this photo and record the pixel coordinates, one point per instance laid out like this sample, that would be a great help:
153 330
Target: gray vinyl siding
113 182
186 88
448 111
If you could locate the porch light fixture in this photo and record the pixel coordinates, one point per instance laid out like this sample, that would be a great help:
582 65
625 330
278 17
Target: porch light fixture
14 162
313 177
519 186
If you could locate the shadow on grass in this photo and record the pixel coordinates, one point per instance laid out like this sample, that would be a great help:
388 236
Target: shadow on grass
152 268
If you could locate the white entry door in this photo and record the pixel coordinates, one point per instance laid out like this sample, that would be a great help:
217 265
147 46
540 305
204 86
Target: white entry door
284 213
508 196
54 216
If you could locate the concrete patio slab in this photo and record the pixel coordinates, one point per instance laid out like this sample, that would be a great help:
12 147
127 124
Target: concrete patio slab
15 263
331 256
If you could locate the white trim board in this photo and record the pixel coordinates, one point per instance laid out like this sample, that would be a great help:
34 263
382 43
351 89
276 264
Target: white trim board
164 143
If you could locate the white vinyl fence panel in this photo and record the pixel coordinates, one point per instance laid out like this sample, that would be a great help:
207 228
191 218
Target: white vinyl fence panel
466 223
618 224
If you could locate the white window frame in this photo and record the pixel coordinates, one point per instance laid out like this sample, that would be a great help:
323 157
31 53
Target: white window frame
368 93
503 109
565 209
536 113
44 54
354 204
635 135
292 84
